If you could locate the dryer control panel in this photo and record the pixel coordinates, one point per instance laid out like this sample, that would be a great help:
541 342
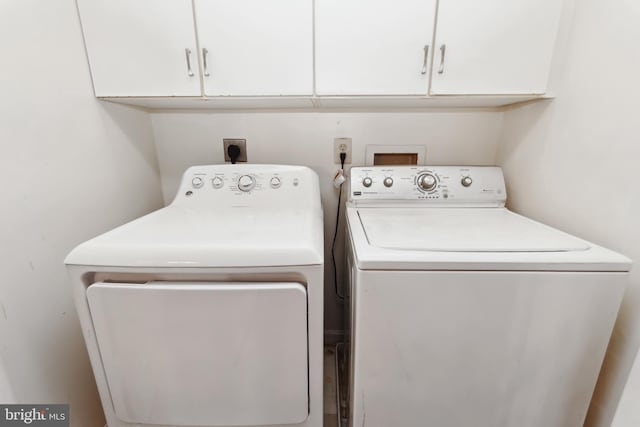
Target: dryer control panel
247 185
444 185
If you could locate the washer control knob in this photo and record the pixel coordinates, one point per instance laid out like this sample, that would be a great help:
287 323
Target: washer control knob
427 182
275 182
217 182
367 181
246 183
466 181
388 182
197 182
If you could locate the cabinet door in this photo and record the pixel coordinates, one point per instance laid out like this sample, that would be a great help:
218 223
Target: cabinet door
139 47
373 47
256 47
494 46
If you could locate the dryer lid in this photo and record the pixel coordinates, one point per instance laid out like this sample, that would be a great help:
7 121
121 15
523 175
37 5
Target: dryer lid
462 230
274 220
179 236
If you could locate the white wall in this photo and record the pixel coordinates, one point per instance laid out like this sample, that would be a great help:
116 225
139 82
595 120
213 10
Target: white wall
185 139
71 167
573 163
628 413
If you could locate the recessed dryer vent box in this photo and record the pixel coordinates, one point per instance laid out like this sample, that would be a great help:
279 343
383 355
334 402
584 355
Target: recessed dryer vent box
388 155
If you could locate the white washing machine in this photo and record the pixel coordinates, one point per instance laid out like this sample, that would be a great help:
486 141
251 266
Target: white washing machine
466 314
209 312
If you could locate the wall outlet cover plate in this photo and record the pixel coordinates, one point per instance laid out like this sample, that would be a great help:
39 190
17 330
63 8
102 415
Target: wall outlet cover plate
242 143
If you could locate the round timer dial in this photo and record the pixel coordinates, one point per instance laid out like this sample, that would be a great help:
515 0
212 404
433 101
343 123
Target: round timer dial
246 183
427 181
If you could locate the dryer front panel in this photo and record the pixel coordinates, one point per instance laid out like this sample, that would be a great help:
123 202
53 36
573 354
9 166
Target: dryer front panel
203 353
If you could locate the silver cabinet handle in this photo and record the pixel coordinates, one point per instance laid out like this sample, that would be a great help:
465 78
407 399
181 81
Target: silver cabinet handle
443 50
424 61
187 53
205 52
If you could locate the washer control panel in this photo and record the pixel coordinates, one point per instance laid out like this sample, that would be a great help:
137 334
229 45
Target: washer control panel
429 184
246 182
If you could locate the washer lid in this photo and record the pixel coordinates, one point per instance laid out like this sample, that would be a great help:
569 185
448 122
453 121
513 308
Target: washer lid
462 230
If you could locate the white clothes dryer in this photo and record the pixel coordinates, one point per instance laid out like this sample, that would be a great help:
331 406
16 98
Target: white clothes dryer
463 313
209 312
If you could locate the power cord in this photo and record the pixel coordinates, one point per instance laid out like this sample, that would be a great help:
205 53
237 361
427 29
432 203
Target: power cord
343 157
234 152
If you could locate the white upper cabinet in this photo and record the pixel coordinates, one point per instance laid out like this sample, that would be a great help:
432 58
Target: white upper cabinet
373 47
141 47
256 47
494 46
380 52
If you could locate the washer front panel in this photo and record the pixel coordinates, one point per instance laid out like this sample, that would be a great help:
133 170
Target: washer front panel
481 349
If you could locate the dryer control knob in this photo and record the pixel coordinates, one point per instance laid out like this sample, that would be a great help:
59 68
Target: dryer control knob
367 182
197 182
246 183
388 181
466 181
217 182
275 182
427 182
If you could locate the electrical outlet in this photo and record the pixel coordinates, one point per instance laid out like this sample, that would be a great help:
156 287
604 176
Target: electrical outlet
342 145
242 143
